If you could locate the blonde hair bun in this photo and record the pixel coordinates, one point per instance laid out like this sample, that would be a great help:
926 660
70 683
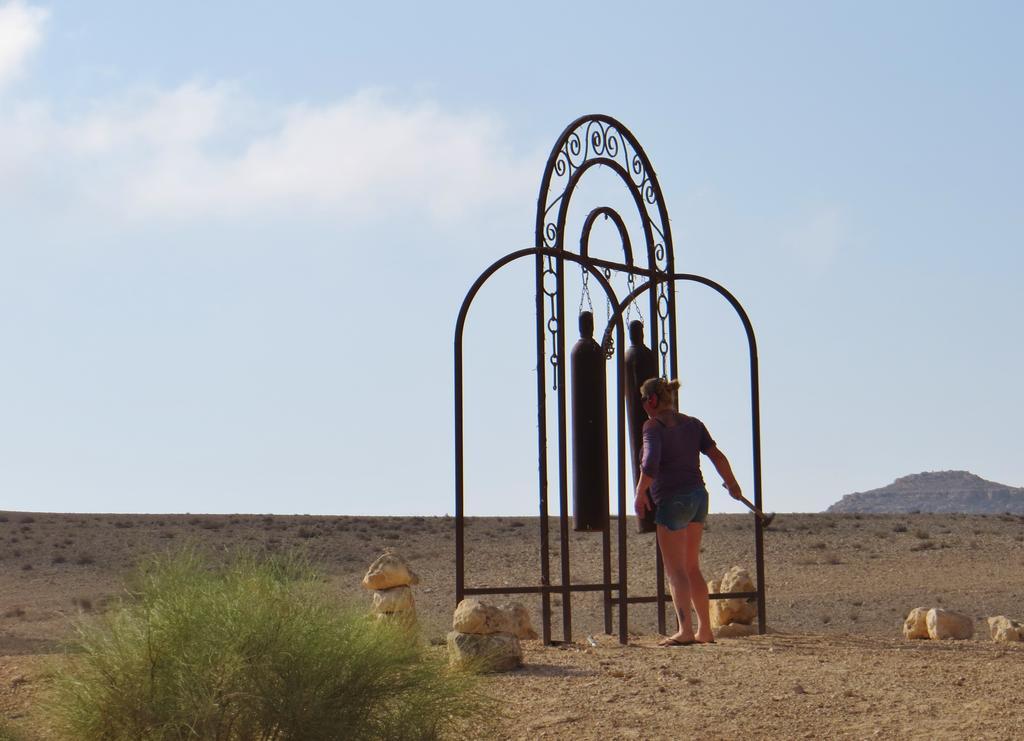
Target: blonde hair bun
664 389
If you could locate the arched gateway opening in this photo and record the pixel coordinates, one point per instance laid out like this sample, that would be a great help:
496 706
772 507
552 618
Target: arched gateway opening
597 141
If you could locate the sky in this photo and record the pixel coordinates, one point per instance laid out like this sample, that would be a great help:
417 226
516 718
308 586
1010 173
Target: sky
234 239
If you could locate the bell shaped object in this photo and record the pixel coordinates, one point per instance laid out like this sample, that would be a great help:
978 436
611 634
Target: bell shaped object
589 410
641 364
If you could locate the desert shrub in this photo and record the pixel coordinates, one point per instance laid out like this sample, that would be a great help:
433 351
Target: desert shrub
8 732
258 648
899 527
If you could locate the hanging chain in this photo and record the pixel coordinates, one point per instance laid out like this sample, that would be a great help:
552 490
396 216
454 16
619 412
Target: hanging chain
586 291
609 343
633 306
663 333
553 318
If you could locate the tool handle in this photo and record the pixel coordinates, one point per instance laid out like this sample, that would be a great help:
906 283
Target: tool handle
741 498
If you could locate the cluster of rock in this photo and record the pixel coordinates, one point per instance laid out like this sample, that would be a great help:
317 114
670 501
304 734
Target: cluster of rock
485 636
733 617
938 624
390 579
1001 628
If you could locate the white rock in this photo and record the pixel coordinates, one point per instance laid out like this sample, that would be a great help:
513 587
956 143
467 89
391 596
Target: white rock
948 625
739 610
494 652
484 618
396 599
388 571
1002 628
734 630
916 624
519 621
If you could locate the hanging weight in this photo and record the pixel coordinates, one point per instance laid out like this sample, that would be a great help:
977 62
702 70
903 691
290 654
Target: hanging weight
589 430
641 364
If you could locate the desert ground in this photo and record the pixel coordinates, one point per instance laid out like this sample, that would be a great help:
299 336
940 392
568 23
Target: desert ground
833 663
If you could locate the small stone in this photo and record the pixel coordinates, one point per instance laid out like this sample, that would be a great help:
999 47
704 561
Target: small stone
734 630
916 624
396 599
389 570
738 610
494 652
484 618
519 619
1001 628
948 625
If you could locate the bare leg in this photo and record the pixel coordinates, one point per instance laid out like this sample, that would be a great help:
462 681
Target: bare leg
673 545
695 579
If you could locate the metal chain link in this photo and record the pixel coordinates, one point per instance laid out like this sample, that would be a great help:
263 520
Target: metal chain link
553 319
609 344
663 334
586 291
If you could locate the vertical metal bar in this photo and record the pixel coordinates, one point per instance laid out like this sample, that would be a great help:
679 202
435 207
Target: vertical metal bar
659 564
606 533
674 364
563 468
542 456
460 569
606 564
620 403
755 418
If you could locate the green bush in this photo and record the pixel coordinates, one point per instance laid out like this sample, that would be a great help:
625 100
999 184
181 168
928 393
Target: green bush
255 649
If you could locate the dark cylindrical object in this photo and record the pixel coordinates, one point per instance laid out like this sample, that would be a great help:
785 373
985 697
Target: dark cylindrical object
641 364
589 430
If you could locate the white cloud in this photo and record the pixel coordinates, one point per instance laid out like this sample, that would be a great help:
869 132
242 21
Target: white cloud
818 238
206 150
21 31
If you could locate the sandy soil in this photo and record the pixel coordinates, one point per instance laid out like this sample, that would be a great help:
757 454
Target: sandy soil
832 664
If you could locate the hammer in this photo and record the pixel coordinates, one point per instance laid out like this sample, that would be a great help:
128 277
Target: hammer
766 519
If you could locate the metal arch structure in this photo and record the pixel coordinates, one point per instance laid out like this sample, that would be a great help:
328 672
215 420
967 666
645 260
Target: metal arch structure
589 142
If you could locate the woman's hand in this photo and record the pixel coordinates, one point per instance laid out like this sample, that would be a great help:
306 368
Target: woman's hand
734 489
641 504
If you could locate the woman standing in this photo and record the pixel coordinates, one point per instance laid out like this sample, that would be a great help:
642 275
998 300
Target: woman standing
670 472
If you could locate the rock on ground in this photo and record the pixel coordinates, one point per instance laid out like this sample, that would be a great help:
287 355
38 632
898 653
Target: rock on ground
395 599
1002 628
916 624
740 610
389 570
948 625
734 630
495 652
485 618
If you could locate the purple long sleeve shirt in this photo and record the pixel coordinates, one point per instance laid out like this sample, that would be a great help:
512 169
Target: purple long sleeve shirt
672 454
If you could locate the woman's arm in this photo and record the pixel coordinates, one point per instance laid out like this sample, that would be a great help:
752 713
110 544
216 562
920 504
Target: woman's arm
650 460
641 502
725 471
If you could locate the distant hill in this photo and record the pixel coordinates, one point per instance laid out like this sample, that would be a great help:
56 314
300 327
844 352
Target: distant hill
936 491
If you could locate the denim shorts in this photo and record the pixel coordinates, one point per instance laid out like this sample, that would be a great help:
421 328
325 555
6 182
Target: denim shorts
680 509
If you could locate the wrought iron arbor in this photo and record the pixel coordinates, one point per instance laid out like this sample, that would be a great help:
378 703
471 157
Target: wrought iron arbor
589 142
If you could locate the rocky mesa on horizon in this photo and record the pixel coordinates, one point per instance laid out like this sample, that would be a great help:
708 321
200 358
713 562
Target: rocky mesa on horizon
936 491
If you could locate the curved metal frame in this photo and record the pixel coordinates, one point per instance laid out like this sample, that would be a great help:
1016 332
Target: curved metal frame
588 142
